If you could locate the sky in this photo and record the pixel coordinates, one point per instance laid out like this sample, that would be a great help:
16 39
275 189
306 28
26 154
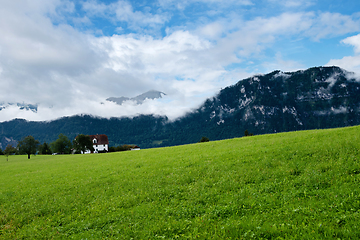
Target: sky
69 56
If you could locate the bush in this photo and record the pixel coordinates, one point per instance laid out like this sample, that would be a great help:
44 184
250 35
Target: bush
247 133
121 148
204 139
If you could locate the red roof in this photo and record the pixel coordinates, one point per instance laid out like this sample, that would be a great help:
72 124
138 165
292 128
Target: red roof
100 139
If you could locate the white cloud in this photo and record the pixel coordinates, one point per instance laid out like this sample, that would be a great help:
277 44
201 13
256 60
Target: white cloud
354 41
171 108
181 64
250 38
212 30
333 24
40 60
351 63
92 7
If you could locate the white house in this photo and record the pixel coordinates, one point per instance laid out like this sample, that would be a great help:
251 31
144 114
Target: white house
100 143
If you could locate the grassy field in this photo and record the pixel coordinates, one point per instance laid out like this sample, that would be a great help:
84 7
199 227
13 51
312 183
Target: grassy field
299 185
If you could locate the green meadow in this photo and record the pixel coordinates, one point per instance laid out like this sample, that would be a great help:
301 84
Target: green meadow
297 185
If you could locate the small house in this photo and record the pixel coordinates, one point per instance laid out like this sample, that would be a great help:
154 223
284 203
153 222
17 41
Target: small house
100 143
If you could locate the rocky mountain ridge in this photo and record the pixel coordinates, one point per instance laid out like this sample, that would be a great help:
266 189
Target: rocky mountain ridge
152 94
21 106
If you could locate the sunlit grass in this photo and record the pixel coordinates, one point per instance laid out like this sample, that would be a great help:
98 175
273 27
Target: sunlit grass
297 185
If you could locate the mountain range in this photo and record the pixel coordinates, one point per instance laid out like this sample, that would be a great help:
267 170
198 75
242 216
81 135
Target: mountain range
153 94
319 97
21 106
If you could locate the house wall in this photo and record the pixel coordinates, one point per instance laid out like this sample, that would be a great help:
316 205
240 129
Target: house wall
101 147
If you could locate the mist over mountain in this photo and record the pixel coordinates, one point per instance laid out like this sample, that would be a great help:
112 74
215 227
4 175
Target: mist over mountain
152 94
319 97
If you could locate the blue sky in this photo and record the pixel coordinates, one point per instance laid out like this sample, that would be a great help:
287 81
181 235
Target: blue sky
68 56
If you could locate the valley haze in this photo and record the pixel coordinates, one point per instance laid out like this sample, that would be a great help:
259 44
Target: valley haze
66 57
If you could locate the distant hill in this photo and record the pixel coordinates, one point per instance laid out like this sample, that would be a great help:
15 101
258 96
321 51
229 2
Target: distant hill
4 141
320 97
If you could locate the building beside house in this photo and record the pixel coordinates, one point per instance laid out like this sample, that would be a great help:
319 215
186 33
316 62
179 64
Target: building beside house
100 143
135 148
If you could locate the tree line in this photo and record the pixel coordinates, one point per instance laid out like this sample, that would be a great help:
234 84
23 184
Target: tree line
30 146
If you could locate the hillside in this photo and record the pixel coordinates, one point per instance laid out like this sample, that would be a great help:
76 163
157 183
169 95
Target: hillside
321 97
297 185
317 98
